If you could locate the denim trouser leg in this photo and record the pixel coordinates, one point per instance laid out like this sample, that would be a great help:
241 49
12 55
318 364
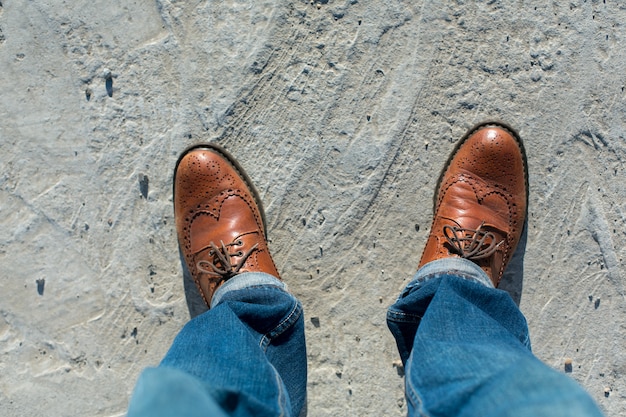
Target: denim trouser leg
466 350
245 356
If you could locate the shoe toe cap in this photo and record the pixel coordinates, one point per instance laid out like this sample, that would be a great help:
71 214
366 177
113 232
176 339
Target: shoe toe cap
495 155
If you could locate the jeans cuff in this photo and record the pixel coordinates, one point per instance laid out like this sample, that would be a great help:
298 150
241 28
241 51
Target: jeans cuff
460 267
245 280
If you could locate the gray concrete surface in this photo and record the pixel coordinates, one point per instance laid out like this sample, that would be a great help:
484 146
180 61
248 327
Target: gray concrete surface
343 114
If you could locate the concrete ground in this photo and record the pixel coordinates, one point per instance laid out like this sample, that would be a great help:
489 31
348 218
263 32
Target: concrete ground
343 113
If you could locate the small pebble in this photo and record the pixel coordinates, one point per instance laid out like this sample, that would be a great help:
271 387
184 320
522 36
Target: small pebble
399 367
607 391
319 6
568 365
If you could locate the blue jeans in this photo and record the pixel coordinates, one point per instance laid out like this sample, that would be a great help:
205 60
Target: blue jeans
464 345
246 356
466 350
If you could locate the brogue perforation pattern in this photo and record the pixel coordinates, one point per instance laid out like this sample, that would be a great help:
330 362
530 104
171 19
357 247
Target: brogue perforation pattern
214 201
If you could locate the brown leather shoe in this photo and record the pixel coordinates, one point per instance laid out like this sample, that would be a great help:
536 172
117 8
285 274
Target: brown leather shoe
480 206
219 219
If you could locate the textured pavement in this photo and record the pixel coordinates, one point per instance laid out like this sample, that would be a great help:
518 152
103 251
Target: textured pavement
343 113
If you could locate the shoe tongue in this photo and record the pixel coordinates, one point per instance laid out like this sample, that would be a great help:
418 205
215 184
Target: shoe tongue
493 224
469 209
205 230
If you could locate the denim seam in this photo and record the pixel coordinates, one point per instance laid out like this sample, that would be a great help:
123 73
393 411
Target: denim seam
450 272
453 266
413 396
261 286
401 317
281 393
255 286
257 282
281 327
526 342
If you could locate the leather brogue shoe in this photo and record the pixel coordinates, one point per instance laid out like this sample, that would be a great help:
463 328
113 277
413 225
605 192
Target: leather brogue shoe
481 202
219 219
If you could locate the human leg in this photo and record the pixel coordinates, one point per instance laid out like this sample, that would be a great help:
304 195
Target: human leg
246 355
466 350
464 343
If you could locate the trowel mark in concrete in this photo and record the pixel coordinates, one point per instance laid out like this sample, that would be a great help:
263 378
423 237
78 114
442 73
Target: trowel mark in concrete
599 230
591 139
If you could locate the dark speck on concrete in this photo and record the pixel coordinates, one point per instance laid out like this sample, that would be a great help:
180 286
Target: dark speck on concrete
40 285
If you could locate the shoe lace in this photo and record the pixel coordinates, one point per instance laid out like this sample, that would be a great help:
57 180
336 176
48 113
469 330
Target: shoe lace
471 244
221 264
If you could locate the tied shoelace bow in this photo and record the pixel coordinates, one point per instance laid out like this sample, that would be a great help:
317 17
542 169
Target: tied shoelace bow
221 265
471 244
